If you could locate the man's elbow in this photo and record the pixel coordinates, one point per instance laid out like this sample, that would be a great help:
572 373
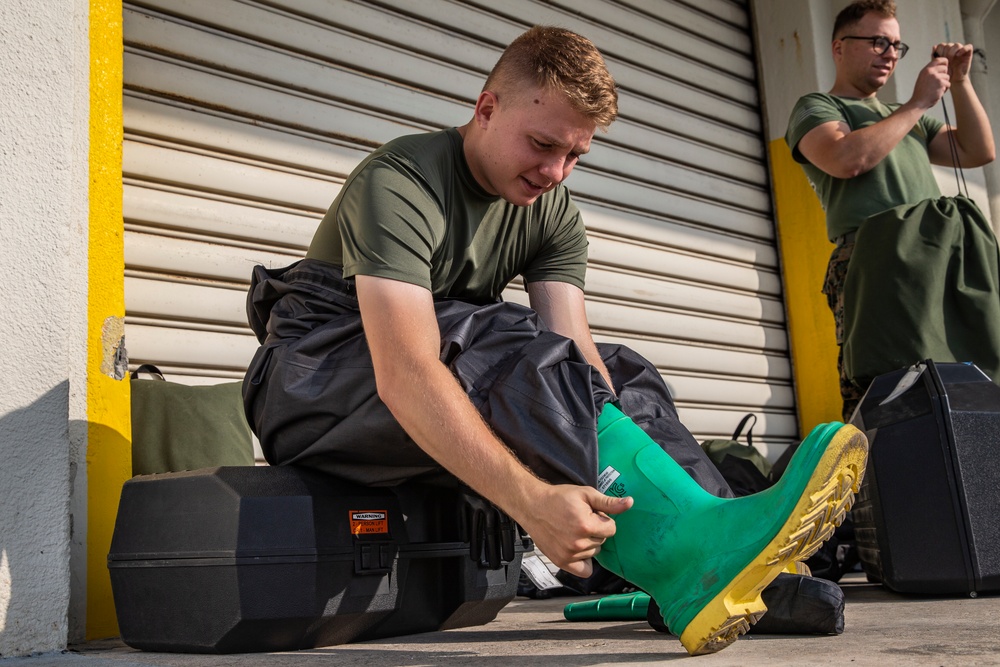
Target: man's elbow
848 165
989 154
389 386
980 160
979 156
848 170
847 174
399 382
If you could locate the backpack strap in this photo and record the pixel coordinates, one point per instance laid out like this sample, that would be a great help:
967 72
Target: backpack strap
743 422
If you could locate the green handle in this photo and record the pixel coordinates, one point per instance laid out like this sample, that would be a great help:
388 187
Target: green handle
622 607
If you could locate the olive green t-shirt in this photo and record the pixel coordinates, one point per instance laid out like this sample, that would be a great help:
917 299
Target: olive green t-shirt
412 211
903 177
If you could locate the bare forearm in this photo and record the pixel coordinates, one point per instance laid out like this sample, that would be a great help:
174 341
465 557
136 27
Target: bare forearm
845 153
562 308
859 151
593 357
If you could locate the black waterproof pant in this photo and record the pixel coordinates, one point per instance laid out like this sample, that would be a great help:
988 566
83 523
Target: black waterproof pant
310 392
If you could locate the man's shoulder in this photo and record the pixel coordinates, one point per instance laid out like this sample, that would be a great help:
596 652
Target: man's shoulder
817 97
418 147
815 104
431 161
809 112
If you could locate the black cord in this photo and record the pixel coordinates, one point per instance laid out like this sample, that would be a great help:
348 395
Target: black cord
953 147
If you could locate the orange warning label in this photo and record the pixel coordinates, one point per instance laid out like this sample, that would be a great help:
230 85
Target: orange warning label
369 522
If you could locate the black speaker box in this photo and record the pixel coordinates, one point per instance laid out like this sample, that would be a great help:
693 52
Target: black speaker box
927 518
245 559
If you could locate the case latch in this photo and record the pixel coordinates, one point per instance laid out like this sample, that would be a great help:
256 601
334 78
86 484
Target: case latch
374 557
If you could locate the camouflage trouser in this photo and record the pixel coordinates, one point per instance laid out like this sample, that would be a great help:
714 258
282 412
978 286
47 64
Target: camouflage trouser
833 288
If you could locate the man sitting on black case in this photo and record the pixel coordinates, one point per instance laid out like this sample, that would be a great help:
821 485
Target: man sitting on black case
387 355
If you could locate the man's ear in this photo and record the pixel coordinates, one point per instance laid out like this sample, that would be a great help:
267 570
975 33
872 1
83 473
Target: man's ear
486 106
837 48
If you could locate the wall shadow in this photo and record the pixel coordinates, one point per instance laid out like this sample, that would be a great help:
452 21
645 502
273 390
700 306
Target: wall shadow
35 525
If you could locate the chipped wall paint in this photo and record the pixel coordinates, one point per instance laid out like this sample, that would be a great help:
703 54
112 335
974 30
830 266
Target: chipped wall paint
114 357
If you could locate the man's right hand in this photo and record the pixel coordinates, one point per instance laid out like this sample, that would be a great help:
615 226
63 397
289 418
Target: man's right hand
932 83
569 524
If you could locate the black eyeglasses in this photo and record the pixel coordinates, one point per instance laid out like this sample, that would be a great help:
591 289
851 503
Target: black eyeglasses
880 45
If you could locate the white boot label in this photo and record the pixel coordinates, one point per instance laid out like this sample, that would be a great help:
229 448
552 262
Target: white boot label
607 478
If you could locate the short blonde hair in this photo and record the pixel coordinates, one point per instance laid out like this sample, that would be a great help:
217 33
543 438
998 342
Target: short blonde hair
560 60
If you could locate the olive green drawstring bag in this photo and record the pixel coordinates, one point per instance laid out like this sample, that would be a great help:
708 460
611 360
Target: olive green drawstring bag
923 283
179 427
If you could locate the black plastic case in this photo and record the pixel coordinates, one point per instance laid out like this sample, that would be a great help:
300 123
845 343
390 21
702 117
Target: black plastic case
927 519
245 559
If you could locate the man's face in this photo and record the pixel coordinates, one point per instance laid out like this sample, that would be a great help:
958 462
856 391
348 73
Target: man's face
528 146
857 64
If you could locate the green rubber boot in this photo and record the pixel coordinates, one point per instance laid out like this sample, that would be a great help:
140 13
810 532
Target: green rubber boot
706 559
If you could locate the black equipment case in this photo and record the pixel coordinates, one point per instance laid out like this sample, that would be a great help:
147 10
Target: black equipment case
927 518
244 559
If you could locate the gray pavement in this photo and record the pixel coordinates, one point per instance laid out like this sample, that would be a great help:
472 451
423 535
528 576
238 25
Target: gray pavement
882 628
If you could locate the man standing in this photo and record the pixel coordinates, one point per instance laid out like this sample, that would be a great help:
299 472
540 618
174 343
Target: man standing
387 355
863 156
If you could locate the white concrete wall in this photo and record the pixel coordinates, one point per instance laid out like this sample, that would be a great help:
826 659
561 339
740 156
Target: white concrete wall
44 63
792 60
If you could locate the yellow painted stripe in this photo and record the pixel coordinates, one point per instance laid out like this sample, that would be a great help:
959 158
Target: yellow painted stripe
805 251
109 454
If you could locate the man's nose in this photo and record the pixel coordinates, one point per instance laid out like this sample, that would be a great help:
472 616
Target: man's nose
553 170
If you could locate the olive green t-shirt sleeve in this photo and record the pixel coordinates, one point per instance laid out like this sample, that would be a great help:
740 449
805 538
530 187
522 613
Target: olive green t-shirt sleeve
930 127
562 257
810 112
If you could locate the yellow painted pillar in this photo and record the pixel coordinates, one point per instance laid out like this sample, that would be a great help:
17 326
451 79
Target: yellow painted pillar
805 251
109 454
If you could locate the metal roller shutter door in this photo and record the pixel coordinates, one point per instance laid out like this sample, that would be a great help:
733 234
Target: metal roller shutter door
242 119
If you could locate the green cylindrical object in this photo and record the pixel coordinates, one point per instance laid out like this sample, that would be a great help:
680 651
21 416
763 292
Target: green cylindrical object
621 607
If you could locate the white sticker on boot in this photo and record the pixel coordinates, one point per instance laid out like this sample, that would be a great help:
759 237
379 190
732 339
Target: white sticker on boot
607 478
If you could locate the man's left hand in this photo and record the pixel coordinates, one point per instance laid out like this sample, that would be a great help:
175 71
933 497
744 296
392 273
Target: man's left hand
959 58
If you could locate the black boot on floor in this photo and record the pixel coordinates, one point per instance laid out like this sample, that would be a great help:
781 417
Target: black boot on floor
796 605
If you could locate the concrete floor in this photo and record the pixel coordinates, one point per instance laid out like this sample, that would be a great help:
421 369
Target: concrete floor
882 629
